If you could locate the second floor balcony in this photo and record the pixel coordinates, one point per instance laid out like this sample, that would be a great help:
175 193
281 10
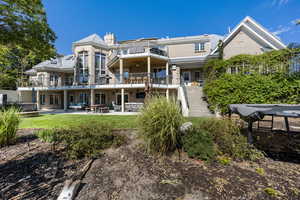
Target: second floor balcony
135 52
128 79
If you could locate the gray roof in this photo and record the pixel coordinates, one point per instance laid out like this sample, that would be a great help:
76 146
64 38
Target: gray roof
94 38
60 64
30 72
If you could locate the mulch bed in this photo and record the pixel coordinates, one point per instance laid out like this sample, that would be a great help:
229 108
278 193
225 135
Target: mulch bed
129 172
29 169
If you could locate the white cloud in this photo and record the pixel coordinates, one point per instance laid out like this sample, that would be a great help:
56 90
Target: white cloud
282 29
279 2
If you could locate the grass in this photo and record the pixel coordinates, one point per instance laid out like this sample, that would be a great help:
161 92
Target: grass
67 120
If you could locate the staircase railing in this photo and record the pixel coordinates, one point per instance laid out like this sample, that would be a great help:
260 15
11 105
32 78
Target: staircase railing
184 91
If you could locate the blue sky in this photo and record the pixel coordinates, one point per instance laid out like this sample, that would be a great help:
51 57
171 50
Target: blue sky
72 20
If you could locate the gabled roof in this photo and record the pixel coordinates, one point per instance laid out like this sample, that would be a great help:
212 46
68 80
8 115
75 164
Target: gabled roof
66 63
257 31
94 38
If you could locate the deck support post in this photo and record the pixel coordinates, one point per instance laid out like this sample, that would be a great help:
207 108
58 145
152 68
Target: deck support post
149 68
65 100
167 94
167 72
38 102
122 100
92 97
121 70
167 79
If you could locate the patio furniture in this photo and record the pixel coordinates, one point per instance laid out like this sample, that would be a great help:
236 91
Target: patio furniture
117 108
78 106
133 106
139 79
132 80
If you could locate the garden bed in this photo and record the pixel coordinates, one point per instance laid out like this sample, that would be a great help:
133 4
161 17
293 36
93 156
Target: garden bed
128 172
29 169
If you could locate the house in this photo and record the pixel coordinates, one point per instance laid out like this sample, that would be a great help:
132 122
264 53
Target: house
118 73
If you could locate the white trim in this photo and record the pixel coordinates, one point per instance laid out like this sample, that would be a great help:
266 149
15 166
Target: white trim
260 37
243 23
265 30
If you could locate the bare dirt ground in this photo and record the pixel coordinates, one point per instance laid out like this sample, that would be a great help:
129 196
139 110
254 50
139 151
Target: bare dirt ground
129 172
29 169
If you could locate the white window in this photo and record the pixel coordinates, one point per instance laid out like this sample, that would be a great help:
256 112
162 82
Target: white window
199 46
83 67
100 67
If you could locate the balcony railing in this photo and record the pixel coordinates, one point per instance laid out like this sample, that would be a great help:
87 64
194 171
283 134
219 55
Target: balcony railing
136 50
44 82
142 78
128 78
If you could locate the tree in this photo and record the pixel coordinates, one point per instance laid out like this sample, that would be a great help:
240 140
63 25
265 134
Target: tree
25 38
24 23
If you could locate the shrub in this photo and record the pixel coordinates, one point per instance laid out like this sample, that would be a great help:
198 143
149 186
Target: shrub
199 144
159 123
48 135
226 135
252 89
9 122
88 140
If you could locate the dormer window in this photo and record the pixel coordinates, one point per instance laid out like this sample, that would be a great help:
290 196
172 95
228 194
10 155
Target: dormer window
199 46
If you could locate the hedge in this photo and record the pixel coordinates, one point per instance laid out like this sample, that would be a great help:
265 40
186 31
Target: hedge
252 89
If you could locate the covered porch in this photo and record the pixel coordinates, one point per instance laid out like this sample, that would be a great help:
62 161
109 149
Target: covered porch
143 69
98 100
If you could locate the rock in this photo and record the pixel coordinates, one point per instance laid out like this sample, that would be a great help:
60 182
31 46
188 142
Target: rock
185 127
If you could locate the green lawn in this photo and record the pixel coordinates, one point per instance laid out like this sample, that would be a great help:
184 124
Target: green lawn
67 120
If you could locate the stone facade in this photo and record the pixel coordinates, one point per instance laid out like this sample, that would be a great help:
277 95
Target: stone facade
242 43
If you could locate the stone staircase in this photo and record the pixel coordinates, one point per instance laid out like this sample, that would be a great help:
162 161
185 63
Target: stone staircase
197 107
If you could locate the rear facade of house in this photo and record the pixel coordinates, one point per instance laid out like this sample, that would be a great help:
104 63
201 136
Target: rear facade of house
118 74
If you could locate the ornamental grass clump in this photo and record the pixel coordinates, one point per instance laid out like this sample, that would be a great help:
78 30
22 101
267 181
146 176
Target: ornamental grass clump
159 124
9 122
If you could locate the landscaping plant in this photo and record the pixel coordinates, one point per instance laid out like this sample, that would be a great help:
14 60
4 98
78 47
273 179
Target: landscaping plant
88 140
159 123
48 135
199 144
228 139
9 122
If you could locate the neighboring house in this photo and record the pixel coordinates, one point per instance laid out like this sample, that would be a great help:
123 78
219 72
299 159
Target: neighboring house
107 71
12 96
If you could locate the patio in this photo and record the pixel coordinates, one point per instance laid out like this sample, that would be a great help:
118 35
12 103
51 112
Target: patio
83 112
